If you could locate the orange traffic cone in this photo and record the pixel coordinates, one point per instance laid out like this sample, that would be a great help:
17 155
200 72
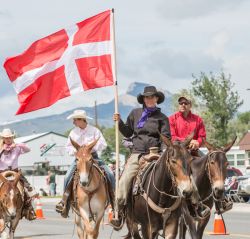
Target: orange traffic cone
110 213
39 210
219 226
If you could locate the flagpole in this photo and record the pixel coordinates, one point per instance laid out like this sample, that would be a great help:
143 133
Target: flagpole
116 111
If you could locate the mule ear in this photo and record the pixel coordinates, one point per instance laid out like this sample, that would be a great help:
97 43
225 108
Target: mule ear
2 178
91 145
17 177
209 146
228 146
166 141
75 144
188 139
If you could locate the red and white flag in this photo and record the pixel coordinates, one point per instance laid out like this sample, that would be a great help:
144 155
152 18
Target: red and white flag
69 61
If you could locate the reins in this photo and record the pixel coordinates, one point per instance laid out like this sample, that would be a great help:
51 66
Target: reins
92 192
6 214
209 175
167 210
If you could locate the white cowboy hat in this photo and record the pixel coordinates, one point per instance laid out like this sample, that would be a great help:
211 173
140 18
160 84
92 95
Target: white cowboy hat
6 133
79 114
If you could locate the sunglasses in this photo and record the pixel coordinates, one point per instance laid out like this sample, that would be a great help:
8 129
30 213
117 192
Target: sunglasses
183 103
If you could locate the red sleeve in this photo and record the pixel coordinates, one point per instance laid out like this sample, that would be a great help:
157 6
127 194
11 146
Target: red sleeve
201 132
172 122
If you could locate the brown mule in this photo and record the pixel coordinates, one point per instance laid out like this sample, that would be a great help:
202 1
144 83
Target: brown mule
157 206
91 193
209 173
11 203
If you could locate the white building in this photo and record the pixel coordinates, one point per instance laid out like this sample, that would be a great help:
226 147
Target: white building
45 147
236 157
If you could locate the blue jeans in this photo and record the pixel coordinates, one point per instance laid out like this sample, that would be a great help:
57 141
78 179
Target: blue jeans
69 175
52 189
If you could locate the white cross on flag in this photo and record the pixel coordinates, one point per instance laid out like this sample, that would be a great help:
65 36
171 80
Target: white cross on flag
69 61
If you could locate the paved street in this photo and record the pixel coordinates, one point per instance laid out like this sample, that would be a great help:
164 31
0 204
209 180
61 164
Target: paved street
53 226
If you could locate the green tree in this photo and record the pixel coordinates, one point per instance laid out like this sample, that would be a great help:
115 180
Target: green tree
109 135
107 155
240 125
221 102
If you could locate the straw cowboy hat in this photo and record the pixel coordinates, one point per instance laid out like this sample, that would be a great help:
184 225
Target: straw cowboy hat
149 91
6 133
79 114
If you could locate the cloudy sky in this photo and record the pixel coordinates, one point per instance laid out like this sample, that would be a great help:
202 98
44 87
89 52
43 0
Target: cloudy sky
161 42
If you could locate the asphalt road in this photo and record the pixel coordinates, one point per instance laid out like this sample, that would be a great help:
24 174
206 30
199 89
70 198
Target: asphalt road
53 226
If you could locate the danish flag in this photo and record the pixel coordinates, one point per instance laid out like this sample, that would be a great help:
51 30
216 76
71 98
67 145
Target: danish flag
67 62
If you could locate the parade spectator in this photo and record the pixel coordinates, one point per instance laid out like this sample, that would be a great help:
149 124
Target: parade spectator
232 184
51 180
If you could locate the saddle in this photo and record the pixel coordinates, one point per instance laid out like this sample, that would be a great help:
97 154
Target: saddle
146 162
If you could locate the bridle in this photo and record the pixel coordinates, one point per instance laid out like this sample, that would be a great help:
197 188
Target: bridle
90 174
6 214
208 170
84 188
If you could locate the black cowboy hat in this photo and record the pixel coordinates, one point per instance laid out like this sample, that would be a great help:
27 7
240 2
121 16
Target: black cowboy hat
149 91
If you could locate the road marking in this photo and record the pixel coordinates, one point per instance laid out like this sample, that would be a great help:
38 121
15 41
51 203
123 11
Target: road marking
68 220
233 235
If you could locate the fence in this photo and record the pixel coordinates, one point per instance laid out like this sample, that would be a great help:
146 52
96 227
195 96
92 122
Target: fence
39 182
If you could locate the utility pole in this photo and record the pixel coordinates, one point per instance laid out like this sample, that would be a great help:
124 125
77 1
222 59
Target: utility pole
96 123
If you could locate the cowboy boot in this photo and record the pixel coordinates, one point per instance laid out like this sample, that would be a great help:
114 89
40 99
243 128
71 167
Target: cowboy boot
64 205
28 210
117 224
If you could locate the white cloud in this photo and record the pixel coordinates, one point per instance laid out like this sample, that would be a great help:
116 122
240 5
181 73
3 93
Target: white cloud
160 42
180 10
218 44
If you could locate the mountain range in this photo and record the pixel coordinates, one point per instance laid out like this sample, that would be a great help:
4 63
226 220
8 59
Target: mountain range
58 122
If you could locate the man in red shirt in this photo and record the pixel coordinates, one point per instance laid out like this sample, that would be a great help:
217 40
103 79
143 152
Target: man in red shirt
184 122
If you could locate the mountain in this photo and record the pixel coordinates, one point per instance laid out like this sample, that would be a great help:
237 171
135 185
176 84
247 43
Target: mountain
58 122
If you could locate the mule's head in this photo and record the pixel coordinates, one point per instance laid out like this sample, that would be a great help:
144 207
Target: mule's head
9 193
84 161
217 167
177 160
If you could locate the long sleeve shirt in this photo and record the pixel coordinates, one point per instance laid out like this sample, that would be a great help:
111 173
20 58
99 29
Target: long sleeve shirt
85 137
181 127
147 136
9 159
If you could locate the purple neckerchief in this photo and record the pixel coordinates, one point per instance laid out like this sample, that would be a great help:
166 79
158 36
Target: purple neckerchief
144 116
